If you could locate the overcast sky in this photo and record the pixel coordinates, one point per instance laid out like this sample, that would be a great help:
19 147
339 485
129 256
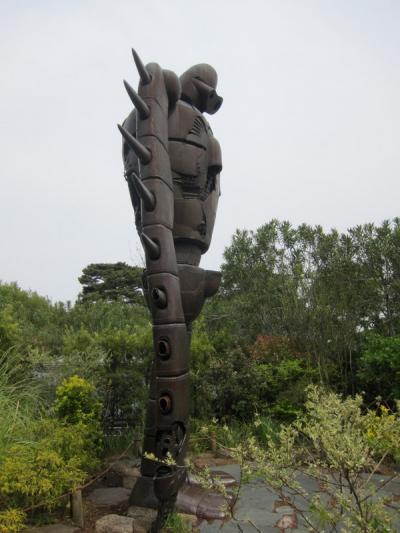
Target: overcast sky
309 128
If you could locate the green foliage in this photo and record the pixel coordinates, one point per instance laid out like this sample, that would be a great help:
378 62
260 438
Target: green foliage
9 330
111 282
114 340
34 474
77 406
231 434
107 315
320 289
298 306
269 374
98 354
383 432
334 442
284 374
236 395
76 402
42 458
109 345
28 320
80 442
11 521
20 402
379 367
176 523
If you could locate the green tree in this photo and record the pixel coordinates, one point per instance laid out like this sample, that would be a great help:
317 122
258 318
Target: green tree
111 282
379 367
28 320
322 290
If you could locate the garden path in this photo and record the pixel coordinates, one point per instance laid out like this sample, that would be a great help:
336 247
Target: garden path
259 508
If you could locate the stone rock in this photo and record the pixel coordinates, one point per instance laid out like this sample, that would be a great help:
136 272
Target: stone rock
287 521
128 482
113 523
139 529
130 477
217 526
109 496
125 467
142 517
284 509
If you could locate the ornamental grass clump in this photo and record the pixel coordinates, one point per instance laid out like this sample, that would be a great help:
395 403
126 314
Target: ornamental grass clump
340 446
20 402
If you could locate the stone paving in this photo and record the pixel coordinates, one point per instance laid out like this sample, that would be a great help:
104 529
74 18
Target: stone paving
259 508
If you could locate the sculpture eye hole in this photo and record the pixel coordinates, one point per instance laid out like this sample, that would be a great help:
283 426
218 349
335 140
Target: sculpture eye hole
159 297
165 404
164 350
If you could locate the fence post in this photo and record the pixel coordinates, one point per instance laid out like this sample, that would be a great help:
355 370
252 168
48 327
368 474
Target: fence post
77 508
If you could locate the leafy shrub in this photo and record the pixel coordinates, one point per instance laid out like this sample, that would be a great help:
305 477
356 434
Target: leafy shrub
176 523
79 411
77 340
230 434
29 320
76 402
115 362
81 443
43 458
383 433
340 446
230 380
379 371
11 521
34 474
226 436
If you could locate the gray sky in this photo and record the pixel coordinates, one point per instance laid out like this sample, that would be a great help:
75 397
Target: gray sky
309 128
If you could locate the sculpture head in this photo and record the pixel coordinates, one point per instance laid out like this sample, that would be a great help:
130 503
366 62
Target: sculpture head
199 88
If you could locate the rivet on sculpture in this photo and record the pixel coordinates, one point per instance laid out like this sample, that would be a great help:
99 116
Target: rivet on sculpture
172 166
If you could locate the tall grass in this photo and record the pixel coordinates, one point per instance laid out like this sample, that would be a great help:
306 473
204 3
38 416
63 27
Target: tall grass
20 401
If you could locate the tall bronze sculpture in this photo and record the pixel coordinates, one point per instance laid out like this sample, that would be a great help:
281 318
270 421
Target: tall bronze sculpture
172 165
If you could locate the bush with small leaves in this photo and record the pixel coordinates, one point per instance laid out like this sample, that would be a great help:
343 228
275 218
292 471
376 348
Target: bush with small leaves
76 401
338 444
11 521
36 474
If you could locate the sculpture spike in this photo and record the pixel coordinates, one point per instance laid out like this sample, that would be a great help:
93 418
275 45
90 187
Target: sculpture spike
140 105
140 150
152 248
145 194
144 74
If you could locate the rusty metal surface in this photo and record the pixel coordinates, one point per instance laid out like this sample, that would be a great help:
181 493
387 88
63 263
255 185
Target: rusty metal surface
172 166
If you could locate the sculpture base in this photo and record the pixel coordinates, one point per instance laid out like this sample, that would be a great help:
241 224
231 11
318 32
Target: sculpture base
192 498
142 494
204 503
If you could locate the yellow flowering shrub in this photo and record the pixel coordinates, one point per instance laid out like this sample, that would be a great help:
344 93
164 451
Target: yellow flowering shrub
11 521
32 475
382 430
76 401
56 455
